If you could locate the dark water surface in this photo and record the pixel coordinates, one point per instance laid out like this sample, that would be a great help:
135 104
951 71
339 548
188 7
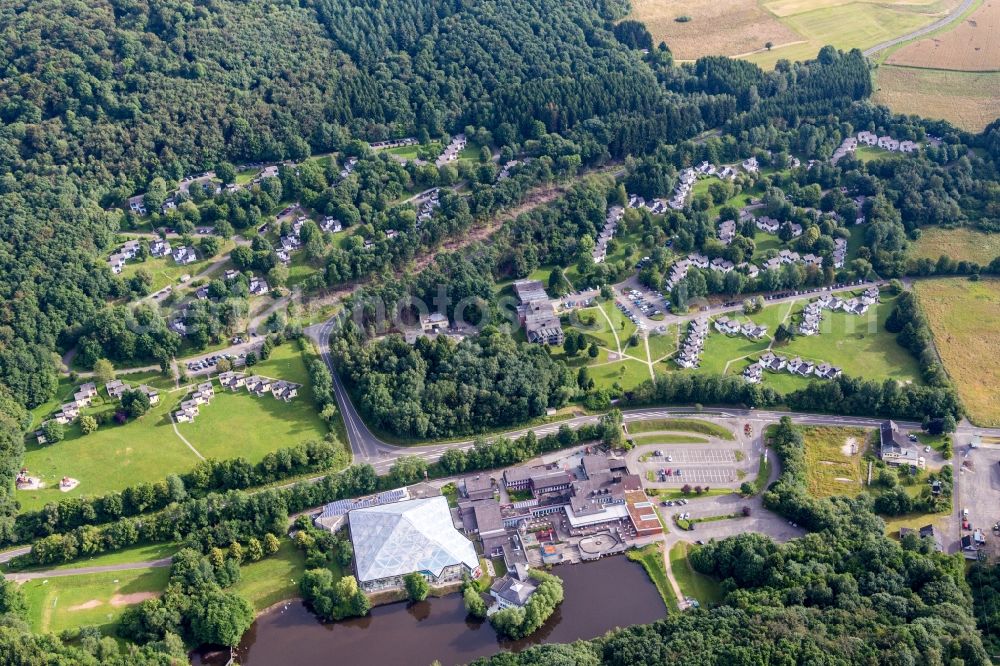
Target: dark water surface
599 595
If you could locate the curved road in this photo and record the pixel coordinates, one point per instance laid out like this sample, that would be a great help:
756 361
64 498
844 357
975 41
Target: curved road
926 30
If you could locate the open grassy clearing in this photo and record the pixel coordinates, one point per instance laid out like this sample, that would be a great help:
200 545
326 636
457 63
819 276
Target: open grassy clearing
149 552
166 271
651 559
662 344
147 449
69 602
913 521
627 373
264 423
970 100
960 244
272 579
859 344
680 425
116 456
726 28
963 316
720 349
833 460
693 584
972 45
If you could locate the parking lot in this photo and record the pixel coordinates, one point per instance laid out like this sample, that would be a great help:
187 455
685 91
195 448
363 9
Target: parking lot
979 491
698 475
696 457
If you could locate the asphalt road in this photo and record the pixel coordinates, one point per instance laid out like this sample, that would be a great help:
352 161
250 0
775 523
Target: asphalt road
937 25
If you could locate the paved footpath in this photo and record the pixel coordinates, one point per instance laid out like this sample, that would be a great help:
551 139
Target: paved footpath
79 571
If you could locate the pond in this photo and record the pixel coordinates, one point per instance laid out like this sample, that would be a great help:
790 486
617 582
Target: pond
598 596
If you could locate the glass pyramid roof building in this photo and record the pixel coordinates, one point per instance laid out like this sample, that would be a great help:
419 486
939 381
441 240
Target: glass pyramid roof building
413 535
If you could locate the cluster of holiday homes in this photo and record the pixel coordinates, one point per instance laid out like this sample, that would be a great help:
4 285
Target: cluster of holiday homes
507 169
254 384
84 397
615 214
732 327
689 355
774 363
812 313
118 258
687 178
429 204
451 151
886 142
257 286
537 314
655 206
158 248
394 143
697 260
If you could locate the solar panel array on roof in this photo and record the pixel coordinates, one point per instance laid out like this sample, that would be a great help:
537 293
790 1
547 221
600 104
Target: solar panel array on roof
341 507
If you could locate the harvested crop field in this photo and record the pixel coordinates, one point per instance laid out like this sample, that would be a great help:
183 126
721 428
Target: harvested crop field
963 316
972 46
715 28
961 244
970 100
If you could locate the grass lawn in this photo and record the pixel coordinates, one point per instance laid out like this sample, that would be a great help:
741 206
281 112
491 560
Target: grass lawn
114 457
68 602
720 349
692 583
599 331
651 559
166 272
149 552
264 423
299 269
678 494
763 242
859 345
869 153
913 521
833 459
763 474
623 325
662 344
666 438
960 244
963 318
272 579
682 425
147 449
628 373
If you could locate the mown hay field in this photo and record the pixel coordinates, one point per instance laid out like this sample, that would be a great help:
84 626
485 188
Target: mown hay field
796 29
970 100
715 28
961 244
973 45
965 319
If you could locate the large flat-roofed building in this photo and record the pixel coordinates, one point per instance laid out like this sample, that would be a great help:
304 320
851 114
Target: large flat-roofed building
537 479
393 540
541 325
